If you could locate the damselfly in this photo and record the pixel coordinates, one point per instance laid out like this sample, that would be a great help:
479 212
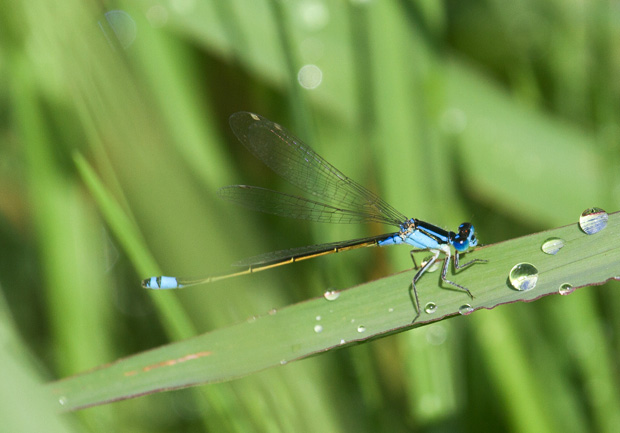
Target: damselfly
335 198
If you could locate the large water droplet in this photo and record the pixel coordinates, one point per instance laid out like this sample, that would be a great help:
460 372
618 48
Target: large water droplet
523 276
331 295
593 220
466 309
361 328
430 308
318 328
566 289
552 245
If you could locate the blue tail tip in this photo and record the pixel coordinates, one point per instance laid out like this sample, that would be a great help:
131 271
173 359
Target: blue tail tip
158 283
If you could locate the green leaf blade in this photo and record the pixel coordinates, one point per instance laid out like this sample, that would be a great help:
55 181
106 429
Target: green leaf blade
361 313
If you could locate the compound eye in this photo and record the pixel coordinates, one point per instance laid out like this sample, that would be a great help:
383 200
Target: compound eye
461 244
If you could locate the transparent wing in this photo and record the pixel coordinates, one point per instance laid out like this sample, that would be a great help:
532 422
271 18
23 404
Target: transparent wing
292 206
296 162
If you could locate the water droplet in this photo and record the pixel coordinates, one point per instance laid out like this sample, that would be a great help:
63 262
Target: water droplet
342 341
272 311
566 289
361 328
252 319
434 266
62 400
283 361
390 310
331 295
310 76
552 245
430 308
466 309
318 317
523 276
318 328
593 220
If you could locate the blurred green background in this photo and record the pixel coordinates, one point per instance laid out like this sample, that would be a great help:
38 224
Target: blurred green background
504 114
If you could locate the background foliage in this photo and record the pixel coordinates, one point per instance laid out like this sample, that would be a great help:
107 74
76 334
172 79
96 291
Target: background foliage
504 114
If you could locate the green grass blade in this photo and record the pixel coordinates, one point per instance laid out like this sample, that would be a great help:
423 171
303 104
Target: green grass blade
126 232
21 385
368 311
